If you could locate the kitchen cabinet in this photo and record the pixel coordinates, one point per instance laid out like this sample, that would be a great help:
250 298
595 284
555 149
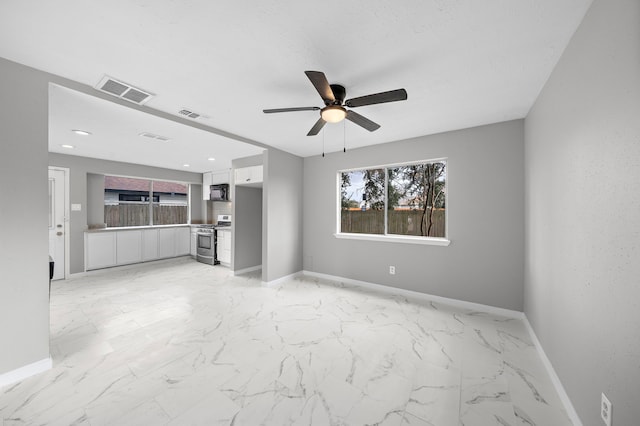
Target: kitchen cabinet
206 183
224 246
100 250
248 176
128 247
125 246
166 242
149 244
182 241
213 178
194 242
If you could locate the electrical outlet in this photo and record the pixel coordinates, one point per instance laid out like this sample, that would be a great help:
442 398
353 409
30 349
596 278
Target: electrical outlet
605 410
392 270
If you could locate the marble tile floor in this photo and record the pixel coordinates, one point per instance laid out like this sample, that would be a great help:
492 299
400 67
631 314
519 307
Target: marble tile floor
182 343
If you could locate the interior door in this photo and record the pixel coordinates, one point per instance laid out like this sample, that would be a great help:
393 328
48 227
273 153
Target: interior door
57 221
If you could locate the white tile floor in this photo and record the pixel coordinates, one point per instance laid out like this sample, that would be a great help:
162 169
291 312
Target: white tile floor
182 343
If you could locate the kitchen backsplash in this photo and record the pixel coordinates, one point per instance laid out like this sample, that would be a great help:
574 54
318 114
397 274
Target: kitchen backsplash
214 208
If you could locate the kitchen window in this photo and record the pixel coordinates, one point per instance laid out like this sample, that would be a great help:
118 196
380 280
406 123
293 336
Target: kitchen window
400 202
144 202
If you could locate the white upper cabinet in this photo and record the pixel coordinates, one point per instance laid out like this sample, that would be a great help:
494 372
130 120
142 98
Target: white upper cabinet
219 177
249 176
206 183
213 178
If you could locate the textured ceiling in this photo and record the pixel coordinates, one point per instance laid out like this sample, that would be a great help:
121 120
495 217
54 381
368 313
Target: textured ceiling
463 63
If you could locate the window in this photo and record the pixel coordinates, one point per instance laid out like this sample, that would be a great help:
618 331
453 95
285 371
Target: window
144 202
395 200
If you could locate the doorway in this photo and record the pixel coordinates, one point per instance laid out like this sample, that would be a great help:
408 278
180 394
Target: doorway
59 220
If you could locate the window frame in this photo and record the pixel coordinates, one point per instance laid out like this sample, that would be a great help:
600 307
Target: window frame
150 203
392 238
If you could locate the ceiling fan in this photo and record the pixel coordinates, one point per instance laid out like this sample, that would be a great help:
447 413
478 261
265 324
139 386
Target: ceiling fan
334 110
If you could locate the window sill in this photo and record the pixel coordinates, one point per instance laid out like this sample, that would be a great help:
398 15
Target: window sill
406 239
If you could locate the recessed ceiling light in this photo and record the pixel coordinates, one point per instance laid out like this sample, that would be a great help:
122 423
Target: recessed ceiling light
81 132
154 136
186 165
67 146
211 159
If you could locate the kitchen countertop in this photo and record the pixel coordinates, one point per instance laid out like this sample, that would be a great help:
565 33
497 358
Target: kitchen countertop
131 228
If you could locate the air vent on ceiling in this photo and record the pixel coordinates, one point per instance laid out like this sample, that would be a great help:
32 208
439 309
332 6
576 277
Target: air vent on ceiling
189 113
154 136
123 90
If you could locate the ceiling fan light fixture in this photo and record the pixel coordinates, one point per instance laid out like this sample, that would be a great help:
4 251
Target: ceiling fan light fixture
333 113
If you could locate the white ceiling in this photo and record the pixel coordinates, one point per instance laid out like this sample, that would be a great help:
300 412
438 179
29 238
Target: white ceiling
115 135
463 63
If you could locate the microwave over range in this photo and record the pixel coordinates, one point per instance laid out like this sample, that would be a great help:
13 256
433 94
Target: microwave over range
219 192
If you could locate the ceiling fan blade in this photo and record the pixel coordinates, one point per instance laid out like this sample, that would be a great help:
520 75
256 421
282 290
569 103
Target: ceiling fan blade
377 98
317 127
271 111
362 121
319 81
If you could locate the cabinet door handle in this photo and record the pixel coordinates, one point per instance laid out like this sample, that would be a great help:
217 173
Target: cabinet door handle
248 180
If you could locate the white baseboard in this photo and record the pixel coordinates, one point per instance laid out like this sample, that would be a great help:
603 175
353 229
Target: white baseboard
280 280
422 296
568 406
247 270
25 372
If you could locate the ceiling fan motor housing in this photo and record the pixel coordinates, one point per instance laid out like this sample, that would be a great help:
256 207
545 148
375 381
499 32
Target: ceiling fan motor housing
339 93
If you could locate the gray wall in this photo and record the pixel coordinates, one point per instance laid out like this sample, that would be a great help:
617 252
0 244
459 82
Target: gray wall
24 272
95 199
582 295
484 262
197 203
79 169
282 215
247 238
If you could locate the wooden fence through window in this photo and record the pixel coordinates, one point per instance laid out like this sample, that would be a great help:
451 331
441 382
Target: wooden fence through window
400 222
138 215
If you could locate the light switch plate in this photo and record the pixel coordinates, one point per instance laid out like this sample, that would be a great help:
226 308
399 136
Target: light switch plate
76 207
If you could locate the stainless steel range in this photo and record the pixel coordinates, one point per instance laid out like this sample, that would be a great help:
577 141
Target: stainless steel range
207 239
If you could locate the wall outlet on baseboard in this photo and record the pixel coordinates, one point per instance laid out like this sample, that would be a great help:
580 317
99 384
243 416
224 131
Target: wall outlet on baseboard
392 270
605 410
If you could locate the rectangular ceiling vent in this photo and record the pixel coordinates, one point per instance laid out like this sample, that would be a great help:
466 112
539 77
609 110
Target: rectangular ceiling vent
189 113
154 136
123 90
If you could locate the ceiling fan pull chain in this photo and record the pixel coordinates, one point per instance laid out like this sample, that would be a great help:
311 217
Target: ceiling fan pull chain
344 137
322 143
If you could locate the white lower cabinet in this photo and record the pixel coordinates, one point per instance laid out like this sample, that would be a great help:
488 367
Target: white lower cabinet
128 247
166 242
149 244
194 243
224 246
100 250
183 241
112 248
